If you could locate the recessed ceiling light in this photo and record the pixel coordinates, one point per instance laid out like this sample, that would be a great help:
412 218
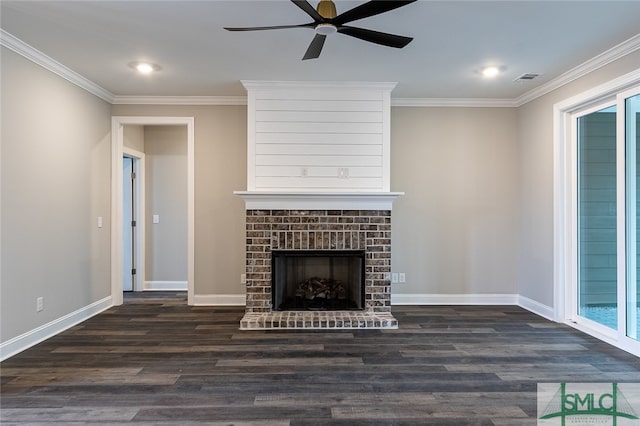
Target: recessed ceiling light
490 72
144 67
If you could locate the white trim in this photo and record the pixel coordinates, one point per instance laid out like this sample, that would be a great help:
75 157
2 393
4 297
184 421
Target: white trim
117 139
536 307
454 299
625 48
219 300
34 55
268 200
179 100
454 102
261 85
165 286
46 331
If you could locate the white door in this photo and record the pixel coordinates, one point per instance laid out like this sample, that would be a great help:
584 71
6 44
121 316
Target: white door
128 224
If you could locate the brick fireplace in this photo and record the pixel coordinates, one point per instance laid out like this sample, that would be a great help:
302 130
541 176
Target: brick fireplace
333 230
318 179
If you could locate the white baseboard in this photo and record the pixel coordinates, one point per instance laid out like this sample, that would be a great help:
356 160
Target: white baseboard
37 335
536 307
454 299
165 286
219 300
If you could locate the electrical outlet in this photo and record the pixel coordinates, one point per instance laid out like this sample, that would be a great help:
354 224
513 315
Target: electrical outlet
394 277
402 277
39 304
243 278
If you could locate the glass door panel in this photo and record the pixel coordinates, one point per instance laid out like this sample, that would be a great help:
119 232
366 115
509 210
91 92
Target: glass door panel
632 141
597 241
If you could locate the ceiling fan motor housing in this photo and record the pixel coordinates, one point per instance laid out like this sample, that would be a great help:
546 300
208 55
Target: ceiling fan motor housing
327 9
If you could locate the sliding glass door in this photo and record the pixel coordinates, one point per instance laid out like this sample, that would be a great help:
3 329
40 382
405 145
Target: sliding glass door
597 296
632 147
606 293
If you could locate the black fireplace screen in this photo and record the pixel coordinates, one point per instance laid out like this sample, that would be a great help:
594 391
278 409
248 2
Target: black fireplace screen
317 280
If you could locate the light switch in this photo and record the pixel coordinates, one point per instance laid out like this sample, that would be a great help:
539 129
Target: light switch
99 221
156 218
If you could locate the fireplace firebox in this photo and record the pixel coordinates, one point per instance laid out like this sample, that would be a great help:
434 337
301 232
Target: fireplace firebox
318 280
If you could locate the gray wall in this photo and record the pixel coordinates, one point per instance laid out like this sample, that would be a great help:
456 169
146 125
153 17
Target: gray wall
166 196
454 230
55 183
133 137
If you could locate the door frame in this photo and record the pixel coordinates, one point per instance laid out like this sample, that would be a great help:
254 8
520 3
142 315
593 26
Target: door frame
117 152
140 233
564 211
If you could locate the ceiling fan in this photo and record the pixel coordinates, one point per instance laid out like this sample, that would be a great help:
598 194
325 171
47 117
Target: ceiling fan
326 21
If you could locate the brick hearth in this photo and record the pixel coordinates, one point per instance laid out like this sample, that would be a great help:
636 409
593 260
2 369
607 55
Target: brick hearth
368 230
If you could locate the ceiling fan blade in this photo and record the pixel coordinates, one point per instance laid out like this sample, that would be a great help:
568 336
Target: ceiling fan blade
314 49
371 8
310 10
385 39
277 27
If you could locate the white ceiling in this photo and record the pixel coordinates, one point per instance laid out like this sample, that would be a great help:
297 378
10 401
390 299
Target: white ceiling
452 40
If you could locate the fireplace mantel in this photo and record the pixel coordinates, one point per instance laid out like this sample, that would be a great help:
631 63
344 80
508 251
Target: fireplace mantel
274 200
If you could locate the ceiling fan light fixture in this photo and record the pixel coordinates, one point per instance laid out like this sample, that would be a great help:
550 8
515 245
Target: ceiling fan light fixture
326 29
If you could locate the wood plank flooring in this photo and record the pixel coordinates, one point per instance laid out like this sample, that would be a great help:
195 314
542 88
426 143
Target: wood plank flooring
155 360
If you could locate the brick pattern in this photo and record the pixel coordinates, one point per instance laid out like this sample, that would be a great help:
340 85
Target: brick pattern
368 230
318 320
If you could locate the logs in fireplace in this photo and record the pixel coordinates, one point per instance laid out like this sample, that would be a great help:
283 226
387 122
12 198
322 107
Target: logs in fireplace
318 280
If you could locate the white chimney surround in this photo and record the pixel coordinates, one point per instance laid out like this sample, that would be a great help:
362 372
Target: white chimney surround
318 145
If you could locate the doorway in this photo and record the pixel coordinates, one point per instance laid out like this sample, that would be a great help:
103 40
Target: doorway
117 229
596 224
133 220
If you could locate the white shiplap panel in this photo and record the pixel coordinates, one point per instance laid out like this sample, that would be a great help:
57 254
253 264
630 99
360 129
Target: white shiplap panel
319 116
272 183
319 138
308 172
316 105
362 128
318 160
324 149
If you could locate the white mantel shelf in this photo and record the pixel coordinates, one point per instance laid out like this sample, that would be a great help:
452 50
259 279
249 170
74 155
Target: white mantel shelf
267 200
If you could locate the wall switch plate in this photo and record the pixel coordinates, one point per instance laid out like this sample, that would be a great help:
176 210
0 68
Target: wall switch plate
99 221
394 277
39 304
156 218
402 277
243 278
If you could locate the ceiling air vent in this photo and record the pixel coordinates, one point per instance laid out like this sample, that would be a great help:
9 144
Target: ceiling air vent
527 77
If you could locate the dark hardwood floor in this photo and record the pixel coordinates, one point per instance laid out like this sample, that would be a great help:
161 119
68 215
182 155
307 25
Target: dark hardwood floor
156 360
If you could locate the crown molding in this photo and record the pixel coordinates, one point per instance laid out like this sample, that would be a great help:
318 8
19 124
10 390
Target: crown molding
179 100
266 85
625 48
20 47
34 55
453 102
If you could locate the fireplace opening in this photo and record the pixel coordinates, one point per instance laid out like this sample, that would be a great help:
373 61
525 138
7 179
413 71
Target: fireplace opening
318 280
